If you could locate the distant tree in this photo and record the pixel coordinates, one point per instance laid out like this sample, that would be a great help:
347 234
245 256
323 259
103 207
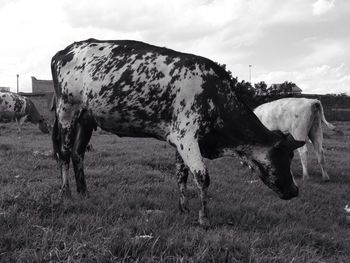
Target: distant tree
260 88
283 88
243 89
246 92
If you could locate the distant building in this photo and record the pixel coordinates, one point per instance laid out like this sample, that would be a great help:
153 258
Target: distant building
4 89
284 88
42 86
41 95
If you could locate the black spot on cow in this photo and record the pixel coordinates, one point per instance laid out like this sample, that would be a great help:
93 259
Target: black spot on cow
80 67
183 133
181 146
183 103
169 60
64 56
101 48
18 105
65 97
159 75
90 95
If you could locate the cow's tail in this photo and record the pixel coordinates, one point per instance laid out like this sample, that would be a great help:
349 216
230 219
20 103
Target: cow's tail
53 102
55 136
56 143
323 119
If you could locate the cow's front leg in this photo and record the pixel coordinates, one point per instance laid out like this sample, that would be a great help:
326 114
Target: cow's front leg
20 122
188 149
63 161
303 158
181 176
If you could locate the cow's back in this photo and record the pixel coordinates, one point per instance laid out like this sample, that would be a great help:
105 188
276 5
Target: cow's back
11 105
293 115
132 87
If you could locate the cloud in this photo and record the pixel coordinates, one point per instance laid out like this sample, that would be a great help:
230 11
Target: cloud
273 35
321 79
223 31
5 2
321 7
324 52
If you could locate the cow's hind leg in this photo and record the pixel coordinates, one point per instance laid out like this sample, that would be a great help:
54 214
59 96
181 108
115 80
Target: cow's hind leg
83 132
316 138
61 139
64 160
188 148
303 158
182 175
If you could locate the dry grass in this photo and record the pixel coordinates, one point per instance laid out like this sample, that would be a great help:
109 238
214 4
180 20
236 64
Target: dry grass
131 214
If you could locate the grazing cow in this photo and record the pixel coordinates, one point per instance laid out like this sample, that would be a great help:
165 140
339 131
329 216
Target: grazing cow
135 89
302 118
19 108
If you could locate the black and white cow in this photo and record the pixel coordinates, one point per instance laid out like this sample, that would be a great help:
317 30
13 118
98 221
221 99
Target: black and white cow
135 89
302 118
19 108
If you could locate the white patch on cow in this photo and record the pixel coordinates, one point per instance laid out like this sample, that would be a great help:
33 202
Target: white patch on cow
211 105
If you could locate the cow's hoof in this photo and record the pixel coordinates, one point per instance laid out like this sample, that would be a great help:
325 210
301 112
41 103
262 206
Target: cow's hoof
66 193
306 178
203 221
326 180
84 193
183 208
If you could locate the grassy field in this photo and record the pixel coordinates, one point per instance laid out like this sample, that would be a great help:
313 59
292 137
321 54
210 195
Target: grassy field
132 215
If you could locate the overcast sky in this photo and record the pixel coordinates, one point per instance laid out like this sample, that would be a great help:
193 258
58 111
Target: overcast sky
304 41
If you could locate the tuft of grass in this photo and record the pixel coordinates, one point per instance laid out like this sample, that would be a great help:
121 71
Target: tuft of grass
131 213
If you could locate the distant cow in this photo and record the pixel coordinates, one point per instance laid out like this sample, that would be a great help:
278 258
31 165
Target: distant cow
135 89
19 108
302 118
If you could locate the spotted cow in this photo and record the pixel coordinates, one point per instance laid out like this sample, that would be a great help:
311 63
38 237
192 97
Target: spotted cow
302 118
135 89
19 108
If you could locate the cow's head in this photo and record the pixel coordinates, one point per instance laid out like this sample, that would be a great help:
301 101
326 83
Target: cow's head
274 165
43 126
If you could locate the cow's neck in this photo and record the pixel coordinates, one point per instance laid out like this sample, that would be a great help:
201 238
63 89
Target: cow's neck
242 126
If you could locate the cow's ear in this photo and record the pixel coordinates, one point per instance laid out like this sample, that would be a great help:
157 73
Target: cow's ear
297 144
292 143
282 139
279 133
279 143
288 140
